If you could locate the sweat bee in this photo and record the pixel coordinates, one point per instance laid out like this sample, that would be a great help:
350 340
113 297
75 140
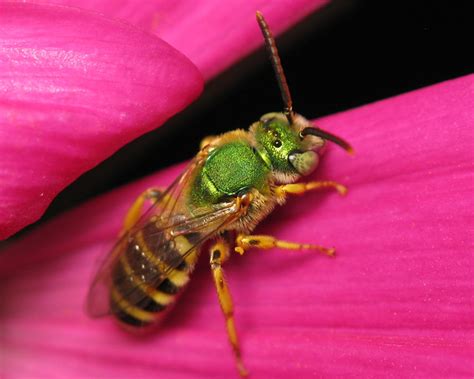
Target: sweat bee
231 185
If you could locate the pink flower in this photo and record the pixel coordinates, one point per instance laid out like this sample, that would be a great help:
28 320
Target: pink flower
74 88
108 93
211 34
395 302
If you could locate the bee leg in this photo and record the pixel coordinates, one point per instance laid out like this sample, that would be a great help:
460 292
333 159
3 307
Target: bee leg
301 188
244 242
219 253
135 211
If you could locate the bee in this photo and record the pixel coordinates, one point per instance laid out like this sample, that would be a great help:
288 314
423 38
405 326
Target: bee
234 182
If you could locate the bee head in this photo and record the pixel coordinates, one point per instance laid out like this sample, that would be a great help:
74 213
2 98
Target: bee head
288 143
291 150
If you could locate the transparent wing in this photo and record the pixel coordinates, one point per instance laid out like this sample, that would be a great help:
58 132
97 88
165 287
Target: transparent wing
168 216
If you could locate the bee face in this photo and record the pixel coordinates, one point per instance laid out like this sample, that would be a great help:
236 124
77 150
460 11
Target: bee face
289 152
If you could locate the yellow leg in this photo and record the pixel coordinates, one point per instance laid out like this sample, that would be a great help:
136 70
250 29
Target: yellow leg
219 253
244 242
301 188
135 210
207 141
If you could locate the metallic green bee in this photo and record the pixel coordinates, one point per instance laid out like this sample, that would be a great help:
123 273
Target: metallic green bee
234 182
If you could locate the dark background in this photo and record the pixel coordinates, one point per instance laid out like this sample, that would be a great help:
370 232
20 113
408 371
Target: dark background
350 53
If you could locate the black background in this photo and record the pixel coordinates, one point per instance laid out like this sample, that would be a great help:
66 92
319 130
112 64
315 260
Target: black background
345 55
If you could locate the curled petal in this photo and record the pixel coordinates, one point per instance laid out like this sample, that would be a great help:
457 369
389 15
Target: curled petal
395 302
212 34
75 87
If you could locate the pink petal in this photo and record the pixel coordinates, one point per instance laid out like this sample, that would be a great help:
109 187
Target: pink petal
75 87
395 302
211 34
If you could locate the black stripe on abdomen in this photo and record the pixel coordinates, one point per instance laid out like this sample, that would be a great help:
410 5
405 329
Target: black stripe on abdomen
138 306
168 287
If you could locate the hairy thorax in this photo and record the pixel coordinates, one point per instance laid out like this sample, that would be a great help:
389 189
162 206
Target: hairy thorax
232 168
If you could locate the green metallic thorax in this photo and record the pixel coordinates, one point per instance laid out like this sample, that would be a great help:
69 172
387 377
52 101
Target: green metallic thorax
229 169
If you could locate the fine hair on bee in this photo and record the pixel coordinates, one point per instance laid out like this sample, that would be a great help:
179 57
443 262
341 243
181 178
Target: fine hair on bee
234 182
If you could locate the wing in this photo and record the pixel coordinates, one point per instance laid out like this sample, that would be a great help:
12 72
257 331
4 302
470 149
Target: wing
168 216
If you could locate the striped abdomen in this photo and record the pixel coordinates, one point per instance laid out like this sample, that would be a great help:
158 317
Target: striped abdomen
150 273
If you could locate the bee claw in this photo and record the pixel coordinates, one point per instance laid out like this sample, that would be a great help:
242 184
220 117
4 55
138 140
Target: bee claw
242 370
239 250
341 189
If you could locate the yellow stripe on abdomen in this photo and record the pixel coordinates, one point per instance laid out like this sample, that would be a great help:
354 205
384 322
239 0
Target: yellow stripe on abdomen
179 278
157 296
130 309
146 281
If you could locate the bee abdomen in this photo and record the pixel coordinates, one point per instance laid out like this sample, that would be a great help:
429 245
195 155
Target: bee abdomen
145 282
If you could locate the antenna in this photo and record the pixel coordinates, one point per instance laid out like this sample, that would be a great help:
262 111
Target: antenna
277 68
318 132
